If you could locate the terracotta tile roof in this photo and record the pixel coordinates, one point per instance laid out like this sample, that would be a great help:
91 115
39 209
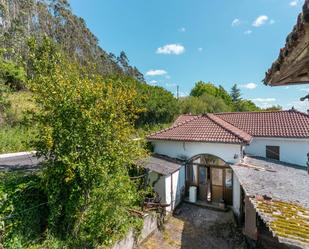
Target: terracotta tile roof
289 124
183 118
203 128
238 127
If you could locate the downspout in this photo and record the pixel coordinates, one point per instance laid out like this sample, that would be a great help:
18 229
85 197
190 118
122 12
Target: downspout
172 205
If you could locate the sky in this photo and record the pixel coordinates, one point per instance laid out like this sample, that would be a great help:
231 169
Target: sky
180 42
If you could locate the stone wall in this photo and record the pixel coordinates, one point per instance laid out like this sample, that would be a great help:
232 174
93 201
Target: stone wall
130 241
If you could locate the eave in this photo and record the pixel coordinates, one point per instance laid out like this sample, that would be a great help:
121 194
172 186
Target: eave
292 65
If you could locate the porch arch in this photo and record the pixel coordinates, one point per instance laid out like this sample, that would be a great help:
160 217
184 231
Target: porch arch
213 178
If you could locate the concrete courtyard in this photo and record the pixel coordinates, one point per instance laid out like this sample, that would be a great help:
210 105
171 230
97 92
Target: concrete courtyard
197 228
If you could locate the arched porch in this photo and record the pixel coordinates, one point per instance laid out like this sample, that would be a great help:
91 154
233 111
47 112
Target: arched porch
213 178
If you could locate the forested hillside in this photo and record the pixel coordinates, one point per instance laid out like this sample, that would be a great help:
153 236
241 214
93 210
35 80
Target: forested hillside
21 19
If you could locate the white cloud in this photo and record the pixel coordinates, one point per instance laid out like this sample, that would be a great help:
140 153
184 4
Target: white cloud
259 21
170 84
249 86
236 22
183 94
248 32
264 100
200 49
156 72
153 82
182 29
293 3
171 49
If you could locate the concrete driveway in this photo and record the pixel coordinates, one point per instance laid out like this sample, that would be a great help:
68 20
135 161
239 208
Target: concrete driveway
197 228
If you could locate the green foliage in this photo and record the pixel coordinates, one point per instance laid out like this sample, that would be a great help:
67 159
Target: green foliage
55 19
201 88
157 104
5 104
203 104
16 138
23 209
85 133
273 108
245 106
235 93
11 74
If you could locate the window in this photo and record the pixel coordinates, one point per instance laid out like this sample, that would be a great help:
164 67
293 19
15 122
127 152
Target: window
273 152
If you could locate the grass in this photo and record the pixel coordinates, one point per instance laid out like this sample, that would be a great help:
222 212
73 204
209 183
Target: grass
15 136
21 103
16 139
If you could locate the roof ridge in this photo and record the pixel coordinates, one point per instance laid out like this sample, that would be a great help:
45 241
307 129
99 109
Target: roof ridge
299 112
241 134
175 126
251 112
191 118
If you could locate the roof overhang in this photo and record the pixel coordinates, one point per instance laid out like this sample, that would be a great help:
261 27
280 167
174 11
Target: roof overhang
292 65
196 141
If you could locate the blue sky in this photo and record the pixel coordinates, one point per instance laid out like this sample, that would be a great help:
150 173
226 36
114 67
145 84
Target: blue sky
179 42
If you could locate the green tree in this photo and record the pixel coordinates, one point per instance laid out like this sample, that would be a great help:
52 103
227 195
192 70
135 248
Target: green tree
11 74
235 93
203 104
273 108
201 88
245 106
157 104
85 134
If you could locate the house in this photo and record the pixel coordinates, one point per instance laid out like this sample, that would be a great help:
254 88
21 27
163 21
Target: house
255 163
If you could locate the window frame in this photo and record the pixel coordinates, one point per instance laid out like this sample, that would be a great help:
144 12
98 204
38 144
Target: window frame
271 152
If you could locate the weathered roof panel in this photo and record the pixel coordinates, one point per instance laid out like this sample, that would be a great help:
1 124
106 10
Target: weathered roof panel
161 164
279 193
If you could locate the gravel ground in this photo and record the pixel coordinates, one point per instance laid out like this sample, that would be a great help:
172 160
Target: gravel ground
197 228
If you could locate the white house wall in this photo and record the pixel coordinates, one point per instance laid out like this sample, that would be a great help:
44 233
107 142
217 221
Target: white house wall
178 149
178 186
291 150
236 195
158 183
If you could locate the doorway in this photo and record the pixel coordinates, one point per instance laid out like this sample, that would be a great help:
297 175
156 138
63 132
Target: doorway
212 177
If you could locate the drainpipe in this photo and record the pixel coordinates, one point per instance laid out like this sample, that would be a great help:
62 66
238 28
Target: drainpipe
308 162
172 205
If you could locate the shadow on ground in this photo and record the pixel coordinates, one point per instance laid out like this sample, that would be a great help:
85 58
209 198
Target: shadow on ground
197 228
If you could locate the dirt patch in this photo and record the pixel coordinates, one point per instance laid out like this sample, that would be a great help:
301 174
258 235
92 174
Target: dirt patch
197 228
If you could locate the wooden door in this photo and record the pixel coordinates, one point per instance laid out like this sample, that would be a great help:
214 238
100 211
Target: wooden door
202 183
217 184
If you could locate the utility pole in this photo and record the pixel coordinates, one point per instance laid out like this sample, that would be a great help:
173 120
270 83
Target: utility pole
177 93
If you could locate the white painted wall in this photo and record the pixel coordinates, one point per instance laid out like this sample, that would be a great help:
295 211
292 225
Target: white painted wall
178 149
159 186
291 150
164 187
178 186
236 195
173 196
